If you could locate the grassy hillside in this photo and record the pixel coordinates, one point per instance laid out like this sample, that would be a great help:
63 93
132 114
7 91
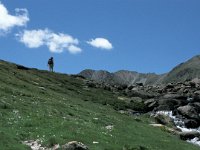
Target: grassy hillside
57 108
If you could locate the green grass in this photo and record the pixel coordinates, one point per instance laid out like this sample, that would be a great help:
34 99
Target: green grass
57 108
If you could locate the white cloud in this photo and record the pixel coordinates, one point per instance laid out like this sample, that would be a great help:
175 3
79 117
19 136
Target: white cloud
74 49
33 38
57 43
100 43
8 21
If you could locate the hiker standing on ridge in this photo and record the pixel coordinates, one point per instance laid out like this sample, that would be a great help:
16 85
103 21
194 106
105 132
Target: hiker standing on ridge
50 64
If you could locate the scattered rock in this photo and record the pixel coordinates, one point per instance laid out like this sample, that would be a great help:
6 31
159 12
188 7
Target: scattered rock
36 145
109 127
74 145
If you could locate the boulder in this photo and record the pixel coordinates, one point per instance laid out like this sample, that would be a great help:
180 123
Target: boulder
191 123
164 120
168 104
169 86
197 92
189 135
151 103
139 84
196 105
122 87
196 98
192 84
74 145
196 81
130 87
189 112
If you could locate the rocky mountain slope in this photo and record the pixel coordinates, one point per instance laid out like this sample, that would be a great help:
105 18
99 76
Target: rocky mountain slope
121 77
185 71
43 109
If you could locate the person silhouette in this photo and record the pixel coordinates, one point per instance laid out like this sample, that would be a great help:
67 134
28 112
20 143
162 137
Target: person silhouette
51 64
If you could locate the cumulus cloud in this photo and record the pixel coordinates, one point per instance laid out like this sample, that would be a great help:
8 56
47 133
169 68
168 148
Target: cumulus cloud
74 49
33 38
100 43
57 43
8 21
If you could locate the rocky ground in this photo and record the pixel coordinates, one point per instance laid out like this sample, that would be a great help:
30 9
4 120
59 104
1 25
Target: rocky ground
181 98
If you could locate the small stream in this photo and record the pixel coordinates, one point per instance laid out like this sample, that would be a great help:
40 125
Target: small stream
180 124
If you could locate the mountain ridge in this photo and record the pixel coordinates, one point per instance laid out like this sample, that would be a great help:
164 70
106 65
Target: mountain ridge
185 71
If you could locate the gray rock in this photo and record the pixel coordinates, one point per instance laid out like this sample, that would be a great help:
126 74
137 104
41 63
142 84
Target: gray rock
197 92
74 145
151 103
168 104
189 112
163 119
189 135
174 96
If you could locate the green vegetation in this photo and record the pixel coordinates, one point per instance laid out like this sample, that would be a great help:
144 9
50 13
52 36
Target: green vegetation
57 108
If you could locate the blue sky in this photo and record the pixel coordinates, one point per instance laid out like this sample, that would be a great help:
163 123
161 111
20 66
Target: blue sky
137 35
